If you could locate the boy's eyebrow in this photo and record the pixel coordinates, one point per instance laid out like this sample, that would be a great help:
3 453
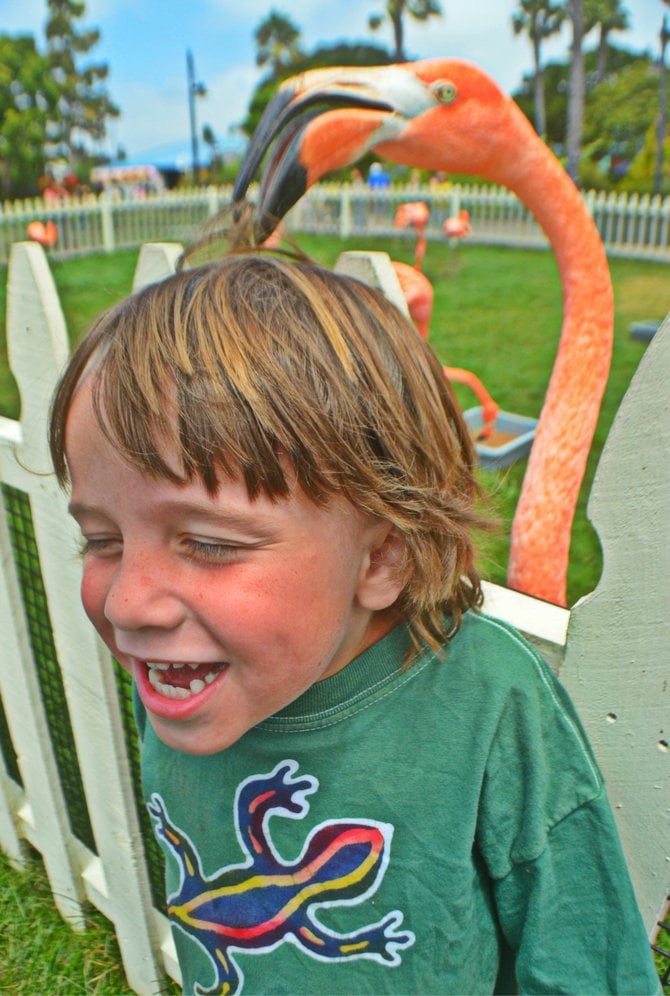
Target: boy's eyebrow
228 517
239 519
79 508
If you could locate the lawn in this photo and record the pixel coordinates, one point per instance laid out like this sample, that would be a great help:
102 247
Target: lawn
38 951
498 312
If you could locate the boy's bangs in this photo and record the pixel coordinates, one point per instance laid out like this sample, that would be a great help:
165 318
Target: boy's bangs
197 429
199 403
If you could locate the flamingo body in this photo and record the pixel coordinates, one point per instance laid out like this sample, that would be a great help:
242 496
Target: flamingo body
44 232
458 227
418 292
416 214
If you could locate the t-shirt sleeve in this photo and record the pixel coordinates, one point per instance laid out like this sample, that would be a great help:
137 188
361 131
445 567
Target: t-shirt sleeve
545 829
571 915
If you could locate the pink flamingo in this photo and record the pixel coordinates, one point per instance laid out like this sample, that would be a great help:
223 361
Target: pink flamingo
447 114
418 292
458 227
416 214
44 232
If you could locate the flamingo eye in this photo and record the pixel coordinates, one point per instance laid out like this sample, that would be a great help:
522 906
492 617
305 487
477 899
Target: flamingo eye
445 91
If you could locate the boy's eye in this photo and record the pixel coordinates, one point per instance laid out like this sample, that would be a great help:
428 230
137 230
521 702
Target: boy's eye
99 546
209 549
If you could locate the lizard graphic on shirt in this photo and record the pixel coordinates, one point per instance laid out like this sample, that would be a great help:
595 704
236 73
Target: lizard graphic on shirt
258 904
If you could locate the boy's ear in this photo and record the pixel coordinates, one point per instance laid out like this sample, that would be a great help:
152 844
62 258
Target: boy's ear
384 577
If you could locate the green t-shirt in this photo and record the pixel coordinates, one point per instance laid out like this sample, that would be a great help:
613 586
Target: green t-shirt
441 828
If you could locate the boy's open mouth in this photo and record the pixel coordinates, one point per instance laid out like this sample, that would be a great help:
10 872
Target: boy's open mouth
181 681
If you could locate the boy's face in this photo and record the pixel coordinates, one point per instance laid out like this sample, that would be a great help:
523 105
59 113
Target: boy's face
224 610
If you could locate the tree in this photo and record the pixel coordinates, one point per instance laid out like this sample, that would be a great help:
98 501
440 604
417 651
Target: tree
277 42
27 97
420 10
607 16
618 115
576 87
540 19
83 105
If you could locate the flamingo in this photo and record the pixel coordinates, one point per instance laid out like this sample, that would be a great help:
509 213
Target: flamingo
458 227
45 233
418 293
416 214
449 115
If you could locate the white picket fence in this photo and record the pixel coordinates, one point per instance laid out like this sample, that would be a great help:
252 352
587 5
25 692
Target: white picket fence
68 761
635 226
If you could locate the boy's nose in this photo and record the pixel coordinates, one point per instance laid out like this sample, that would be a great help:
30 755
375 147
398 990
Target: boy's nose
141 595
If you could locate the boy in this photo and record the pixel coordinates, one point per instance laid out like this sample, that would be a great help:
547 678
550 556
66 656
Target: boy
361 783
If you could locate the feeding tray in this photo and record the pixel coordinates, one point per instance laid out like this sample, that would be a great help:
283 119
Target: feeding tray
644 331
510 440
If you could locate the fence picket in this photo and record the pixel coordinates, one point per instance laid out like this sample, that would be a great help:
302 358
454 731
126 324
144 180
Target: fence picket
104 833
616 663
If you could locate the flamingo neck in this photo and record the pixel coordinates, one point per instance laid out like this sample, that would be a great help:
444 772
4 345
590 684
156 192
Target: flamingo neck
541 530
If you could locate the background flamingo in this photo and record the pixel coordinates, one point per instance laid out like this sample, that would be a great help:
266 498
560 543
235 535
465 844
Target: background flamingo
418 292
44 232
416 214
446 114
458 227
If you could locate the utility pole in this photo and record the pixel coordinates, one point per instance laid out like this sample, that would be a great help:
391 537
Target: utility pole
194 90
661 121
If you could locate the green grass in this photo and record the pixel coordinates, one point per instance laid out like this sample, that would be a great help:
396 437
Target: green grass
39 953
498 312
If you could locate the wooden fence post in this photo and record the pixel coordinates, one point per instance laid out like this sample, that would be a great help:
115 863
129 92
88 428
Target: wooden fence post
617 658
373 268
107 223
156 261
38 347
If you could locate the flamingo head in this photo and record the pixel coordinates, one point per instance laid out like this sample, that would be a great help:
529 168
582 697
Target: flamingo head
415 213
441 114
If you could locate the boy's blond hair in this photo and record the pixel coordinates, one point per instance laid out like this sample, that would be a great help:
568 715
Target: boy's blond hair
281 371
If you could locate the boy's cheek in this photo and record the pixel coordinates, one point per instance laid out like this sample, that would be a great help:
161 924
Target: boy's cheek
93 595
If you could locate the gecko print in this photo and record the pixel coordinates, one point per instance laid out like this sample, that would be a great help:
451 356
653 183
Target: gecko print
264 901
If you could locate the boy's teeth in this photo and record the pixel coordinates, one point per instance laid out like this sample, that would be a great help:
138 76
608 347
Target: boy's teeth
156 671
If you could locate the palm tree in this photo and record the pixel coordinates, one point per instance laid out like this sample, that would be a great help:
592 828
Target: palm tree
276 42
608 16
576 87
540 19
420 10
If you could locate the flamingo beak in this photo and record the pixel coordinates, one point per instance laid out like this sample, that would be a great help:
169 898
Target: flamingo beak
322 120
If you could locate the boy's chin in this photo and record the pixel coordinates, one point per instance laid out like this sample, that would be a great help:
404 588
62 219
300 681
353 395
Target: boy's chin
188 739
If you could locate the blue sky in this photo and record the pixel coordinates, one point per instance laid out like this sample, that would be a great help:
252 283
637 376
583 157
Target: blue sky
145 41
